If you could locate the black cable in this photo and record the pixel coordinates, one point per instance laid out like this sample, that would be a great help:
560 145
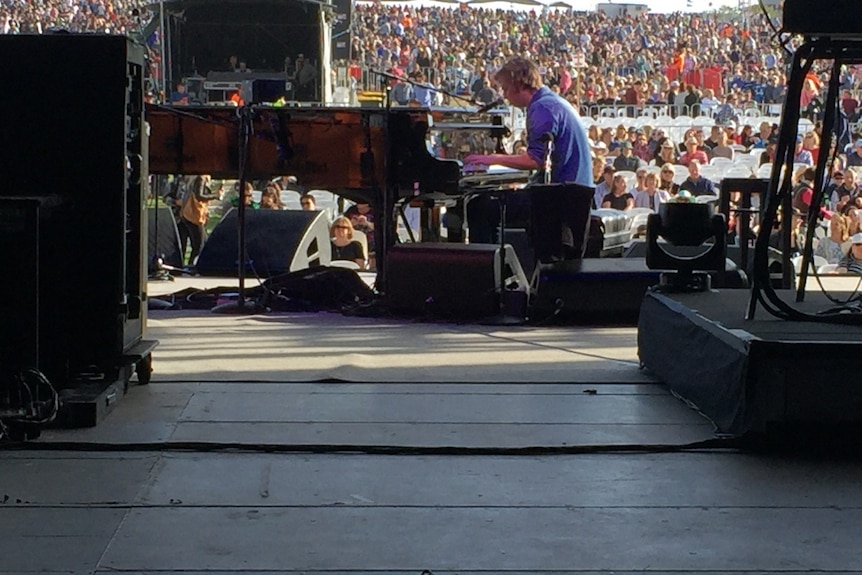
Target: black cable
357 449
762 291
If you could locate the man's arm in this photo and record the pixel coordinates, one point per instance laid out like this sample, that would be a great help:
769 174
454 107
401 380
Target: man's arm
516 161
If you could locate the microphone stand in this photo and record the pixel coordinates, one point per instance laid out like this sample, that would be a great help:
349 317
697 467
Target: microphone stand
482 109
502 318
160 273
241 306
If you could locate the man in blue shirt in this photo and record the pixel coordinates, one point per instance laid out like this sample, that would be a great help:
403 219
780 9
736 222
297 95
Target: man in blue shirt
549 117
696 184
423 92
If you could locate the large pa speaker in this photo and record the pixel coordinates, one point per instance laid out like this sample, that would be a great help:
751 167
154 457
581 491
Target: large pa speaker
19 285
823 18
450 280
73 137
277 241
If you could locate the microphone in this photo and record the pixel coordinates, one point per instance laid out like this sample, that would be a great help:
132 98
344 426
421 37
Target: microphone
548 139
484 108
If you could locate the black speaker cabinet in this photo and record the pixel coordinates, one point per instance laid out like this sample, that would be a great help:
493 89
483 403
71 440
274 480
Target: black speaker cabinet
450 280
823 18
19 285
276 242
73 140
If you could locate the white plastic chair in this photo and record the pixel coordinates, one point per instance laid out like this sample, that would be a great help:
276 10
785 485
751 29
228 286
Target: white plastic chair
290 199
750 162
638 221
814 265
709 199
363 240
826 269
345 264
805 125
720 161
324 200
737 171
680 173
705 123
765 170
711 173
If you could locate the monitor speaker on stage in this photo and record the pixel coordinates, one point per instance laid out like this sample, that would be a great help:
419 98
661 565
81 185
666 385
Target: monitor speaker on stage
450 280
277 242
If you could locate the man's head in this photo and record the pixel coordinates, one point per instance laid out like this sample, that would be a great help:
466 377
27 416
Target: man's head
626 148
608 174
694 169
307 202
519 78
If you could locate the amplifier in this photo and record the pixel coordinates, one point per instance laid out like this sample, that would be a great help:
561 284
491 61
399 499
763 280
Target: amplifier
222 86
265 90
823 18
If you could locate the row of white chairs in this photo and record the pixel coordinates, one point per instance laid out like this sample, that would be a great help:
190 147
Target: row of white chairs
715 172
675 128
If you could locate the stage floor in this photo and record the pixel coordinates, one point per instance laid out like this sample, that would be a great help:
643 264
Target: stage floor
318 443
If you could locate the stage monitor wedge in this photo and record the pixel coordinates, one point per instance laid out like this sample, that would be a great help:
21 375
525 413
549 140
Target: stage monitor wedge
454 281
277 242
824 18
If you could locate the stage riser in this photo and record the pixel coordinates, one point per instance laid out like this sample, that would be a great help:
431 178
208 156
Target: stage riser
750 376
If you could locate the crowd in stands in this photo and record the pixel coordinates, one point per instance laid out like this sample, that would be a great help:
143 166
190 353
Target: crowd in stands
590 58
39 16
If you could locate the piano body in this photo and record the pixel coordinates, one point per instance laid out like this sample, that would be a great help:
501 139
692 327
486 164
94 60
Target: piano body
340 149
367 155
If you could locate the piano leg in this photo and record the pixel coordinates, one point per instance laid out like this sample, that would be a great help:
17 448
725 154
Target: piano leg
430 217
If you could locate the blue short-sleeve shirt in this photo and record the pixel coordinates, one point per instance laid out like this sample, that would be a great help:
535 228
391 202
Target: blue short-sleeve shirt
549 113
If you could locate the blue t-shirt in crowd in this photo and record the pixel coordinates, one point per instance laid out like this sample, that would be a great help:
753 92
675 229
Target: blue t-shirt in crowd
548 113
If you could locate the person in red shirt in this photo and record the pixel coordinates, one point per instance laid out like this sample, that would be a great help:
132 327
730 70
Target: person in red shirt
849 105
692 153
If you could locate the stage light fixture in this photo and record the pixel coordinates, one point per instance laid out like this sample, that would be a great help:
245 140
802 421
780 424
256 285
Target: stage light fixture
682 223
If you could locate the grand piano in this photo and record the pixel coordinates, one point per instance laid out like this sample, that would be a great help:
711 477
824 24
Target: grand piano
367 155
370 155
